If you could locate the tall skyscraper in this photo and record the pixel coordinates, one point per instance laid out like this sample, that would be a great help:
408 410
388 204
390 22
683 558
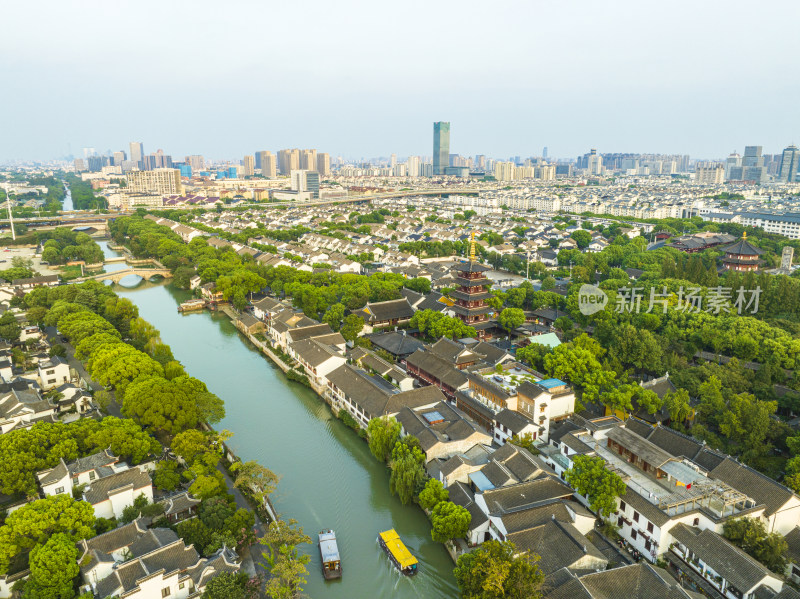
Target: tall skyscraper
441 147
412 166
308 160
752 156
119 158
789 163
544 153
323 164
288 161
594 163
269 167
393 161
196 162
249 165
137 152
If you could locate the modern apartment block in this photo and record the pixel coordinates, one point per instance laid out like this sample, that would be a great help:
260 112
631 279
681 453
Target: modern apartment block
164 181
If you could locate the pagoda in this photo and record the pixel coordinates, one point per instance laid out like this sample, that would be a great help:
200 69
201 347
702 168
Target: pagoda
472 292
742 255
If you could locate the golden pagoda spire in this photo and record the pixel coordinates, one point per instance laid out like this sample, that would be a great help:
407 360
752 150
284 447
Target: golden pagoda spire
472 246
744 234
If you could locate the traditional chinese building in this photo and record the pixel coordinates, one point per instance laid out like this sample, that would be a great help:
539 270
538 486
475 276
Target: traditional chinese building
472 293
742 255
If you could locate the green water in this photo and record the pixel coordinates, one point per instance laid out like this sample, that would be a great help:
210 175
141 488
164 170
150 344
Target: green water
329 479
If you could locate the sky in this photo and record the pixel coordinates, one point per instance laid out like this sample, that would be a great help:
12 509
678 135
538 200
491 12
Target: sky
366 79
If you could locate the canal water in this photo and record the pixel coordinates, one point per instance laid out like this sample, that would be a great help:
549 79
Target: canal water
329 479
67 204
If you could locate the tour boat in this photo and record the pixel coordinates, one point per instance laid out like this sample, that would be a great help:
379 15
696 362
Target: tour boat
193 304
399 554
329 551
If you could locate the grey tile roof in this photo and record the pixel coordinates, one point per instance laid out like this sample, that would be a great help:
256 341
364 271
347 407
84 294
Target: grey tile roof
396 344
100 489
727 560
559 545
637 581
91 462
54 475
754 484
439 368
526 495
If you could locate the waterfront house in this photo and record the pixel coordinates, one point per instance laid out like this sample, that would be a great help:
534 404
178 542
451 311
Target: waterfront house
247 323
283 322
268 307
317 358
26 285
443 431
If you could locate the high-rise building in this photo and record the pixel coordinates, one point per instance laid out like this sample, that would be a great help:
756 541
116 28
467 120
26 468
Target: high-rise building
137 152
393 161
789 164
288 161
544 153
305 180
504 171
308 160
710 174
594 163
412 166
269 166
731 162
752 156
80 165
324 164
119 158
441 147
480 162
164 181
196 162
249 163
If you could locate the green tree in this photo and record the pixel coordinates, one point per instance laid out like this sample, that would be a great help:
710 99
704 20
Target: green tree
746 422
450 521
433 494
257 480
751 536
408 471
334 316
382 434
232 585
54 566
494 571
165 476
418 284
170 406
678 406
9 328
582 238
37 521
589 477
511 318
351 327
286 565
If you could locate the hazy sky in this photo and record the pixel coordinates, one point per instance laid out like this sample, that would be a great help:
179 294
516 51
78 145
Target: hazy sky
363 79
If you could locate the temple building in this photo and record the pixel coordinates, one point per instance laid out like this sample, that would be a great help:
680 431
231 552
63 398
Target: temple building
472 293
742 255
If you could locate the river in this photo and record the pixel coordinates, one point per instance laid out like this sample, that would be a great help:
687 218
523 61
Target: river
329 479
67 204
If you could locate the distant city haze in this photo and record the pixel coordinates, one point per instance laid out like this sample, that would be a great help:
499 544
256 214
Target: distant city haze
368 79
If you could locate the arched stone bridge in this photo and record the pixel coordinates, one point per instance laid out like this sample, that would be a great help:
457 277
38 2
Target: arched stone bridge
118 275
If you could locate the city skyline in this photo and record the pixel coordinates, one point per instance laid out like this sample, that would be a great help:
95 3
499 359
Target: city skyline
631 79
